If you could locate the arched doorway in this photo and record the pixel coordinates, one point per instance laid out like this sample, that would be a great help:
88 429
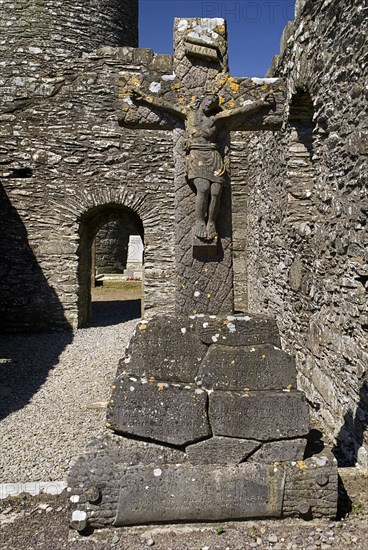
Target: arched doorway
119 222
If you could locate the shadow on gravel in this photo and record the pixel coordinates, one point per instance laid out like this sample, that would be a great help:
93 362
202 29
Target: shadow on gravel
25 361
109 313
27 304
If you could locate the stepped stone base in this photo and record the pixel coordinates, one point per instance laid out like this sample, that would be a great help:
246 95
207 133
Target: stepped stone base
205 423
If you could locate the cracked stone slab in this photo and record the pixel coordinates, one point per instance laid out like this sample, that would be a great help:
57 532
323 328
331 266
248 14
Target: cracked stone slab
117 449
238 330
159 411
220 450
264 416
280 451
166 348
198 493
262 367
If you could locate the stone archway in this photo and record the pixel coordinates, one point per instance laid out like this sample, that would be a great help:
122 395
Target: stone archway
90 224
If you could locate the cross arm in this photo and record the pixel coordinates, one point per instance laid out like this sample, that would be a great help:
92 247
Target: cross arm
159 103
248 109
251 103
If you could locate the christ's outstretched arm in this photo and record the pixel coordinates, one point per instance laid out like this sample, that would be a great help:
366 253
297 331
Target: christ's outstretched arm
139 97
251 108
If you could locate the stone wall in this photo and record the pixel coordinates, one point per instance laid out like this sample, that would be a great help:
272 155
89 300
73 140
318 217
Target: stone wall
111 246
38 36
66 166
307 213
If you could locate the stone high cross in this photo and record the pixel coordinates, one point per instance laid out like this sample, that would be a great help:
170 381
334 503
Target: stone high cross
201 103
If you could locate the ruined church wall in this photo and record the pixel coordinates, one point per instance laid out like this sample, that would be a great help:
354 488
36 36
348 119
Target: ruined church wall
39 36
306 216
65 159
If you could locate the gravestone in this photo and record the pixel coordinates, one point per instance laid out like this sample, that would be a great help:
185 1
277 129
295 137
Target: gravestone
204 421
135 257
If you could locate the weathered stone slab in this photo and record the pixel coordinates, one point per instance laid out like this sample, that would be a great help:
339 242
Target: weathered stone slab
221 450
170 413
198 493
240 330
116 449
264 416
262 367
280 451
311 487
167 348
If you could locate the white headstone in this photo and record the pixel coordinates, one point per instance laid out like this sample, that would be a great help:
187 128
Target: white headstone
135 250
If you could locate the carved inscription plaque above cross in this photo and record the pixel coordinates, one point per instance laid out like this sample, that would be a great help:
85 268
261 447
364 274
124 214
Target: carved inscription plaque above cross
201 103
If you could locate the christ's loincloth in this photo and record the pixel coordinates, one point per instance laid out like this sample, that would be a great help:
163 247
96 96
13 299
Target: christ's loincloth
204 161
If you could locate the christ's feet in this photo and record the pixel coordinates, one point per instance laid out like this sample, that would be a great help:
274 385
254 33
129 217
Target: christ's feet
200 230
211 231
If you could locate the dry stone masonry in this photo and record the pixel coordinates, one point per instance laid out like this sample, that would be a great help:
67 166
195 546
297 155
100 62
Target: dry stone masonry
306 222
67 168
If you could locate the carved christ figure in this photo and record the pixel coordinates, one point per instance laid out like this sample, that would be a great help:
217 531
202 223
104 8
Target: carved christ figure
204 120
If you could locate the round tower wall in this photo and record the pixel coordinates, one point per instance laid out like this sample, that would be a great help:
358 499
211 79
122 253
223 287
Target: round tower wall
40 35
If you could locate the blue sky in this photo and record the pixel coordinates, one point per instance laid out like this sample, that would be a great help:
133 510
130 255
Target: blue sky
254 27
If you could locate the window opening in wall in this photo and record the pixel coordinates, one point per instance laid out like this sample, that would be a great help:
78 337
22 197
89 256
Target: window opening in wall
111 265
21 173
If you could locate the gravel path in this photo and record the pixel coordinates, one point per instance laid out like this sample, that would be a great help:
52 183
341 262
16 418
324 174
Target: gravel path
53 393
41 523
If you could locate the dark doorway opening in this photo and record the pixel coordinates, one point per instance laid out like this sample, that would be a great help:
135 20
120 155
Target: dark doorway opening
110 289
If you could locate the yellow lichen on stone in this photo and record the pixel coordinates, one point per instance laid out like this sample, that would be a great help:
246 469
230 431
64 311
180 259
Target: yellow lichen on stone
208 295
234 86
289 386
263 356
175 86
107 424
264 87
160 387
224 79
142 326
151 379
231 104
246 389
135 81
221 100
301 465
181 100
220 29
194 311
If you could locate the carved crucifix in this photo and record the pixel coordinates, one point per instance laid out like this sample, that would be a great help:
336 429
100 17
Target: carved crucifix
201 103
